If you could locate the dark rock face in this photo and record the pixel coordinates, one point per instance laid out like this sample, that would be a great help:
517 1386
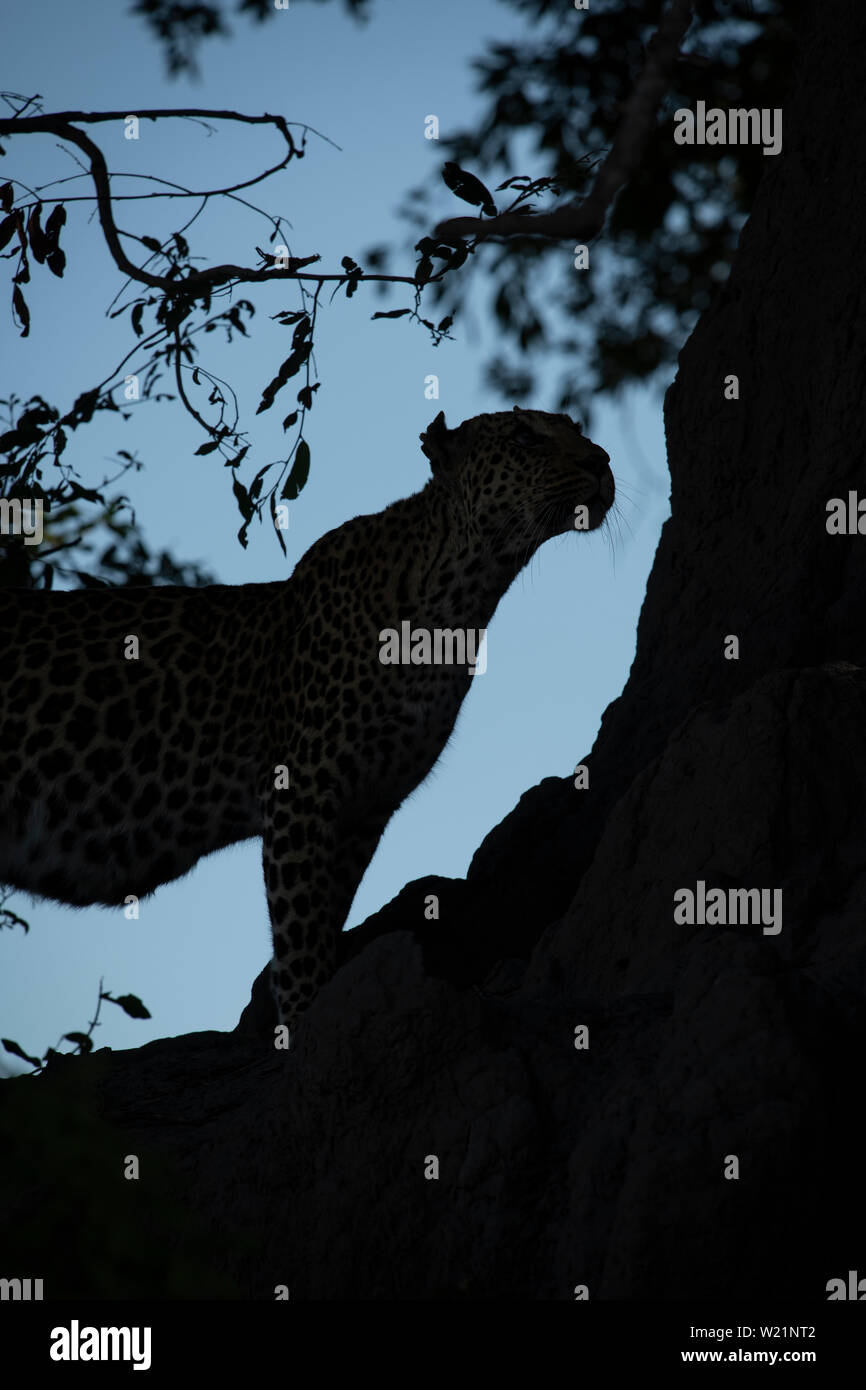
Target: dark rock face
602 1166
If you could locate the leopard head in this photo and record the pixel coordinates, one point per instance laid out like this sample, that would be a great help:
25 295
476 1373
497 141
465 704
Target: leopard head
519 477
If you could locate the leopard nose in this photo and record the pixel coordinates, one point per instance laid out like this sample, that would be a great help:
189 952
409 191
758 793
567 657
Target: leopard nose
607 487
596 463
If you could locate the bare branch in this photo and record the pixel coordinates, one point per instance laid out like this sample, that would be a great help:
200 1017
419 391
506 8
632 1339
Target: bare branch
584 218
31 124
200 282
59 124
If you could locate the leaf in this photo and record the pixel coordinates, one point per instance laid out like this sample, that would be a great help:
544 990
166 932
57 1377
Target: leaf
56 219
466 186
291 264
423 270
151 243
7 229
391 313
38 243
7 193
256 484
56 262
299 474
245 506
19 438
40 413
445 324
20 306
290 368
354 272
277 529
137 311
234 317
17 1051
8 918
86 494
82 409
443 250
305 395
28 431
290 420
81 1040
287 318
208 447
130 1003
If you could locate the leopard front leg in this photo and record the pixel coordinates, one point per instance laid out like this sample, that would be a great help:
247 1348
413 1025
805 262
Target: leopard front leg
313 865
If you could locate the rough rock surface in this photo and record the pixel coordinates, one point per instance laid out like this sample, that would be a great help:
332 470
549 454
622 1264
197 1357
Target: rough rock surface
561 1166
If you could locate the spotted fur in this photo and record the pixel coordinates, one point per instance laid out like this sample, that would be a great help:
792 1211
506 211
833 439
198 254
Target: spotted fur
117 775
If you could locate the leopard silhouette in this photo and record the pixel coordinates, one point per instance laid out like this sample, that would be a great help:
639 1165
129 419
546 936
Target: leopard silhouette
142 728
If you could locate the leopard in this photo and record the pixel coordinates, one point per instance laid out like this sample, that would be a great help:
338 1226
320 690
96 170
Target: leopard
142 728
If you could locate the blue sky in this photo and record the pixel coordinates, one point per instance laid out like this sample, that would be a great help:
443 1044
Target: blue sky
562 641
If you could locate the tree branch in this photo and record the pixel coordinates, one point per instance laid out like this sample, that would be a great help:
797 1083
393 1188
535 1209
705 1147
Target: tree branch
196 283
33 124
584 218
58 123
178 290
200 282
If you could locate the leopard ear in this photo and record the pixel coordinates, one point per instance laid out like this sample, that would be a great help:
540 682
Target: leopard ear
434 442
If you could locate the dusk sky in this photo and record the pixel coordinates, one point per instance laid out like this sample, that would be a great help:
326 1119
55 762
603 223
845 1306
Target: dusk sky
562 641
